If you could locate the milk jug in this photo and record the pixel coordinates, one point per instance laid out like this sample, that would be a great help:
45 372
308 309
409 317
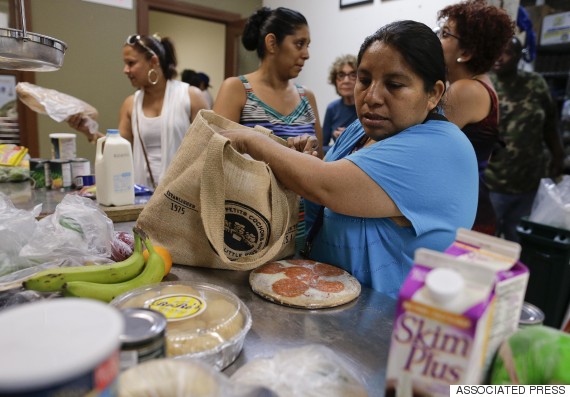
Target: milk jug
114 176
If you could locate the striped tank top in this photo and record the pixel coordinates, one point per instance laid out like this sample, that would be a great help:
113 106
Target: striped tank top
256 112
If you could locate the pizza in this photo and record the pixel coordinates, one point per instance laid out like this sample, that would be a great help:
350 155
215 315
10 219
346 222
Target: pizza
304 283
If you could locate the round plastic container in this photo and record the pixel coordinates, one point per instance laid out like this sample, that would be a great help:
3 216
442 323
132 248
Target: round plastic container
60 347
63 146
204 321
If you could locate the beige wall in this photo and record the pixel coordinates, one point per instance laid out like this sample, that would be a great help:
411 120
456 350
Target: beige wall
200 45
92 68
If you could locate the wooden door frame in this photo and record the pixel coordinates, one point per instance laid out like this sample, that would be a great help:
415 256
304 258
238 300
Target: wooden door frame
27 118
234 24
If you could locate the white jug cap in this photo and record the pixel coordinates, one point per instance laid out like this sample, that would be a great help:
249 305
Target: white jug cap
444 284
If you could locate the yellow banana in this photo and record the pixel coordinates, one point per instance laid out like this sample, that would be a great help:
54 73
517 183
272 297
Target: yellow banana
54 279
153 272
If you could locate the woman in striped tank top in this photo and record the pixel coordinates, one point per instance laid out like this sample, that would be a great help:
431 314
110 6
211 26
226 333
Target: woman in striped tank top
268 96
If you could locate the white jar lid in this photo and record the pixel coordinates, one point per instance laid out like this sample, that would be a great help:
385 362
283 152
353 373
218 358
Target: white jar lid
63 135
52 341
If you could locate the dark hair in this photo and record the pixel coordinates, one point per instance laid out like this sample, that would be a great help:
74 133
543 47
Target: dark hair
164 49
191 77
280 21
484 30
337 65
419 46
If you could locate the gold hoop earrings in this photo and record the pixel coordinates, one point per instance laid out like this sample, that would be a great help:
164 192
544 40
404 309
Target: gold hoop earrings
149 76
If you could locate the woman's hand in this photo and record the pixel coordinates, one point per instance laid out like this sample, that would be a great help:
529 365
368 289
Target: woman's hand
78 122
305 143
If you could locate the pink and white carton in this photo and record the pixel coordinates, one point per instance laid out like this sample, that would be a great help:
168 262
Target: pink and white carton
443 319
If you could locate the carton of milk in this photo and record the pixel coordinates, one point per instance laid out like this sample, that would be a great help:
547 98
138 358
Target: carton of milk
443 319
502 257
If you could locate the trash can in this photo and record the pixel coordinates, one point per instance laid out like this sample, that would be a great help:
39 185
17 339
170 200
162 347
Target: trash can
546 253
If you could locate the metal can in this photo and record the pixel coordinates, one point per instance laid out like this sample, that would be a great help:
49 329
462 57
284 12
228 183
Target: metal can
79 167
84 180
530 315
39 172
60 172
143 338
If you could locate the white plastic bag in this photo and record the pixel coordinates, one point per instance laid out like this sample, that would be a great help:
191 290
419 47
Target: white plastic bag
551 205
309 371
57 105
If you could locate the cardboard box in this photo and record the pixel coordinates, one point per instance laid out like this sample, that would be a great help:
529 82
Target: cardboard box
555 29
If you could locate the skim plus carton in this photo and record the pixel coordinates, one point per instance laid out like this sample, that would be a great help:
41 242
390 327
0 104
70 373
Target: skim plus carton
511 279
441 329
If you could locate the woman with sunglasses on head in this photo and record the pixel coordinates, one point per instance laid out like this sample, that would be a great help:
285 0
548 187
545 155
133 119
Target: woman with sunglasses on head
340 112
156 117
399 178
473 35
268 96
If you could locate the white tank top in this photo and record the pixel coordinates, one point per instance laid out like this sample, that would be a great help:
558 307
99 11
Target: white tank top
149 128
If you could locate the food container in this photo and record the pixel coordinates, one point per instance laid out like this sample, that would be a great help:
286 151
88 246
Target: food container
60 174
39 172
63 146
530 315
60 347
205 321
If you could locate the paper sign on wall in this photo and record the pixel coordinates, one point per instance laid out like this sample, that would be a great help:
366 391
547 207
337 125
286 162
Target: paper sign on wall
128 4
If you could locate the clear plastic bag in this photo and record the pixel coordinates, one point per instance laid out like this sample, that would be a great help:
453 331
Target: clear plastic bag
168 377
551 205
309 371
57 105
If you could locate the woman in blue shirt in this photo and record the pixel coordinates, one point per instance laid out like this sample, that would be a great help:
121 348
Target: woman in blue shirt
399 178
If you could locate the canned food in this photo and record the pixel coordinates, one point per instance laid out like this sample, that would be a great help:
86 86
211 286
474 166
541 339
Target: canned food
39 172
79 167
60 172
143 338
63 146
84 180
530 315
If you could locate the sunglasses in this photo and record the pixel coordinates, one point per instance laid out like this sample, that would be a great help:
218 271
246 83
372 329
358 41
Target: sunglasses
136 39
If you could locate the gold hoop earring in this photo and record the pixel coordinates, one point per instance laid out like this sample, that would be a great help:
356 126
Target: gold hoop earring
149 74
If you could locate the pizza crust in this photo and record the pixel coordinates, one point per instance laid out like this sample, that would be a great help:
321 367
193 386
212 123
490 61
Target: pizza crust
304 283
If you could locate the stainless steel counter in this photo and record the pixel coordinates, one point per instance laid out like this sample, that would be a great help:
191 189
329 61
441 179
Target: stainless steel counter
358 331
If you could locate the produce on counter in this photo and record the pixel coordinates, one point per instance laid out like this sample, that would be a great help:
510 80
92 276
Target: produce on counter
54 279
153 272
534 355
166 257
122 246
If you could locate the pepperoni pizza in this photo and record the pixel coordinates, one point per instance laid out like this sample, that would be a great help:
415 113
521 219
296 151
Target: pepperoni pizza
304 283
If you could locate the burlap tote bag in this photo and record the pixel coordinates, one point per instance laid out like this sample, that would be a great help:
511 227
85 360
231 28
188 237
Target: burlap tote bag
217 208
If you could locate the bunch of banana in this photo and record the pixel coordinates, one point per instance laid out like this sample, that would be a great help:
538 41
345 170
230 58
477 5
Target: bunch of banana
153 272
104 282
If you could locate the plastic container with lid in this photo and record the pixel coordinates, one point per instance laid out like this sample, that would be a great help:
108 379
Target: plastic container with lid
114 170
143 337
204 321
60 347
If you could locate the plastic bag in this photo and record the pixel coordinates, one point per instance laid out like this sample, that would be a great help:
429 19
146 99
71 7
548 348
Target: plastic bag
551 205
78 228
535 355
308 371
168 377
16 229
14 163
57 105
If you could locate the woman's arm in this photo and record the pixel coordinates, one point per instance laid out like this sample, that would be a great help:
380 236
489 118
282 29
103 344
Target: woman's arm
230 99
467 102
125 119
318 130
339 185
197 101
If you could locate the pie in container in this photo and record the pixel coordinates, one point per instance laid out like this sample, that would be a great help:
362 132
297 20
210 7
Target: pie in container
304 283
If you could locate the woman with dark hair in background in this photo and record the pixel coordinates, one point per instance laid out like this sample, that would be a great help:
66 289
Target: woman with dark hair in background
156 117
473 35
340 112
399 178
268 96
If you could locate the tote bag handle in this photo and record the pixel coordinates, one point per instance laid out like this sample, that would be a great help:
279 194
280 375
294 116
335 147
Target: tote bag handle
212 199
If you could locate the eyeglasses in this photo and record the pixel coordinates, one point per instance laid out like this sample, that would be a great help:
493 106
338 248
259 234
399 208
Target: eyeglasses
136 39
444 34
341 75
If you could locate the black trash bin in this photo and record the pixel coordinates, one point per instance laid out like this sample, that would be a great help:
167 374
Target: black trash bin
546 252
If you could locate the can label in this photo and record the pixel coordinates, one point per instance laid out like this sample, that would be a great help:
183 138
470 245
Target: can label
79 167
60 172
39 172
